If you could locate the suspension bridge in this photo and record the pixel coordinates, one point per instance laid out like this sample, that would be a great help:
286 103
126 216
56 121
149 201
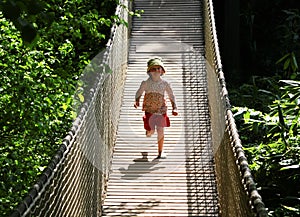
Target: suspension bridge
106 165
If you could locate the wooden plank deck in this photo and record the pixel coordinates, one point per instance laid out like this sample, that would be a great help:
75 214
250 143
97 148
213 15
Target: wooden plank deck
183 184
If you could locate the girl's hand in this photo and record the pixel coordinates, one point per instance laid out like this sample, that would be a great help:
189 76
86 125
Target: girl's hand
136 104
174 112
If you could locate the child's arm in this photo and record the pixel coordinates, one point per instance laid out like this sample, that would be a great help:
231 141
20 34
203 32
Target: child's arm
138 94
174 108
172 99
137 102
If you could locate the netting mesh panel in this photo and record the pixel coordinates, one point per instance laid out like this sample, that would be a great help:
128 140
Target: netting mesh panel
199 156
75 180
233 197
237 191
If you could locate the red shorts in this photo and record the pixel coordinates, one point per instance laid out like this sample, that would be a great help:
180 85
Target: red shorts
152 120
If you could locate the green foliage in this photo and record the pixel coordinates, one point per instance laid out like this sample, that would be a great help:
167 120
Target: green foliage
288 30
267 106
34 104
38 81
271 142
290 66
258 93
19 12
291 41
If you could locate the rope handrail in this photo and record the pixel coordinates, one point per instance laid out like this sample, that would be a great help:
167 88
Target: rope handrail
237 148
29 206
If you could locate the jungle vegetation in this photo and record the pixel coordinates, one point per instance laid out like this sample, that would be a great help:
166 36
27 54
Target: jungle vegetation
264 90
44 47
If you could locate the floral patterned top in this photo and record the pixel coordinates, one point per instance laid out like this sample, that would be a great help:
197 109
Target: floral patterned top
154 99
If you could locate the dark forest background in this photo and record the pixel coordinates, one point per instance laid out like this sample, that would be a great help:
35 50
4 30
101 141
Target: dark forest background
254 35
260 50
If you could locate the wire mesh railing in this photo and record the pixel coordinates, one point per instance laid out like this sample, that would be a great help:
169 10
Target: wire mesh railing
74 182
237 191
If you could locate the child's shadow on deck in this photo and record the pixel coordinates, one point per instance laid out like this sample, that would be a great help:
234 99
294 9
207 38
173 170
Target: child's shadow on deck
139 167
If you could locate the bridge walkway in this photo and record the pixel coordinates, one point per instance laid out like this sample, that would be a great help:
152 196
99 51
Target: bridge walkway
184 183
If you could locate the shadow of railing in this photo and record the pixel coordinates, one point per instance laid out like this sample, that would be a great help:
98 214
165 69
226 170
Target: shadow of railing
202 191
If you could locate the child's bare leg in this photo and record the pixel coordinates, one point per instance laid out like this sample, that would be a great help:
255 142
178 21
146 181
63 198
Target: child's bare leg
149 133
160 139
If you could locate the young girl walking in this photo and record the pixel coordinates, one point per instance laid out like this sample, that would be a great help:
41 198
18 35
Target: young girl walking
154 104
